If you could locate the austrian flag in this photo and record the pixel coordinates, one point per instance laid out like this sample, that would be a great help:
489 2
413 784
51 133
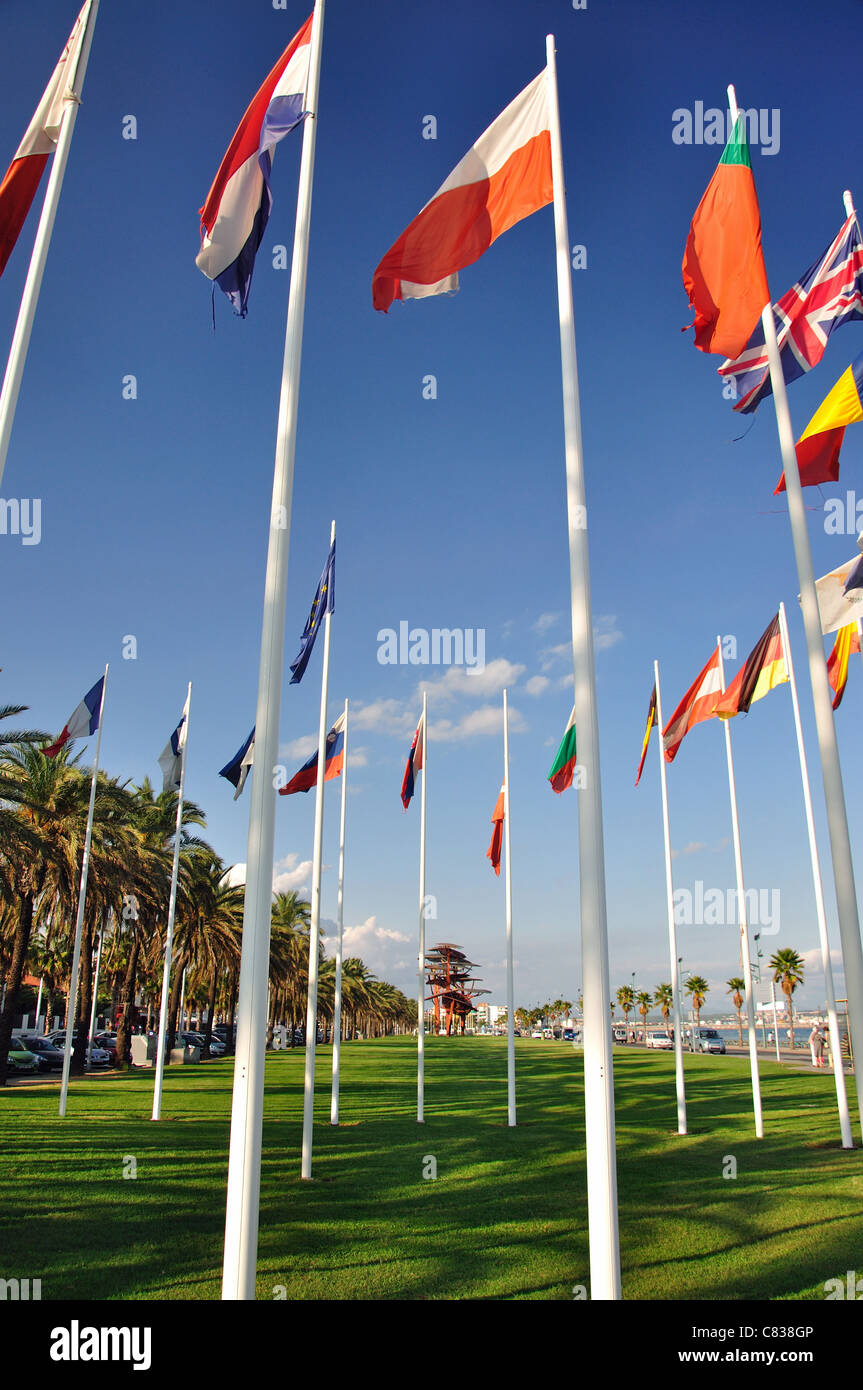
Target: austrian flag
698 703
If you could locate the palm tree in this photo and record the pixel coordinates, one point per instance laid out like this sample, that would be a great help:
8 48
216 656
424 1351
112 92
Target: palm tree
663 995
697 988
736 988
626 1000
644 1001
788 971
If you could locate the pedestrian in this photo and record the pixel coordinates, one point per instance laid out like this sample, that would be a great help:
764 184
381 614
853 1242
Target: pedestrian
813 1036
821 1045
816 1045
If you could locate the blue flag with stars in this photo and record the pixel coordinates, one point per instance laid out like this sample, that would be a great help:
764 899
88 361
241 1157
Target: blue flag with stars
323 602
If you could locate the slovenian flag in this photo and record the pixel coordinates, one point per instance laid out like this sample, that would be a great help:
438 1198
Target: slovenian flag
234 217
563 767
171 756
237 770
83 722
307 777
414 764
505 177
23 176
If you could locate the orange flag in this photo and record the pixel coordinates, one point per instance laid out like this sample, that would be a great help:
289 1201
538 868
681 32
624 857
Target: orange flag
493 851
847 641
723 265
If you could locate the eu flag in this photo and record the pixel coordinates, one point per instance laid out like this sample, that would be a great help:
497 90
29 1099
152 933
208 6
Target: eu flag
323 602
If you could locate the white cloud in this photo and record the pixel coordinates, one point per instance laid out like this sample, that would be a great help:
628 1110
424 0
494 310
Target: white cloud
486 720
551 655
694 847
537 685
478 681
299 747
606 633
545 621
379 947
385 716
289 874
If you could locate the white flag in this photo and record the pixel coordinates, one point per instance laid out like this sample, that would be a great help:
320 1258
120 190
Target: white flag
171 757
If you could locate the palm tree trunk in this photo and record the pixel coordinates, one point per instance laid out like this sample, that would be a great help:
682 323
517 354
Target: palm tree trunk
84 1000
124 1027
23 928
211 1006
174 1002
788 994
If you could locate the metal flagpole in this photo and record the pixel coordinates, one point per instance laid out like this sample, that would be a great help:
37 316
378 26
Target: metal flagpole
39 1004
831 772
95 998
510 993
79 920
169 936
33 283
598 1069
182 1001
745 950
247 1108
672 926
835 1042
775 1019
421 954
315 928
337 1009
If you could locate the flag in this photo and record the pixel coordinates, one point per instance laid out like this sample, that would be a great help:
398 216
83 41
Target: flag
847 641
563 767
829 294
324 601
819 444
307 777
761 672
83 722
237 770
171 756
840 595
651 720
723 265
698 703
23 176
234 217
504 178
493 851
414 764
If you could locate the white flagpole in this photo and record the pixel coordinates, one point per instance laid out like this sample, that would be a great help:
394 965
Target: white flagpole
598 1066
182 1021
169 935
510 992
775 1019
835 1041
745 950
672 926
33 283
831 772
247 1108
315 928
421 953
79 920
39 1004
337 1008
95 997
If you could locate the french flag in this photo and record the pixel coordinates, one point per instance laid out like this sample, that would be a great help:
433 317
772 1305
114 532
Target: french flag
83 722
234 217
307 777
414 764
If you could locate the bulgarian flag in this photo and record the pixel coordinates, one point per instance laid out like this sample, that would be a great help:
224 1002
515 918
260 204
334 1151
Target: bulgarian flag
723 265
563 767
761 672
493 851
847 641
504 178
23 176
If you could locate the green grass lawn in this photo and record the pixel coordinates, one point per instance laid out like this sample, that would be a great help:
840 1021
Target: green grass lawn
504 1218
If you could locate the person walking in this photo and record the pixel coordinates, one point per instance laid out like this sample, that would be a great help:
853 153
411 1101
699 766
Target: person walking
814 1039
821 1045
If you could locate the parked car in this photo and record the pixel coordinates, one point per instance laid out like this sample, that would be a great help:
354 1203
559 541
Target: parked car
548 1033
108 1041
99 1056
568 1035
48 1057
195 1039
22 1060
619 1033
661 1040
707 1040
537 1033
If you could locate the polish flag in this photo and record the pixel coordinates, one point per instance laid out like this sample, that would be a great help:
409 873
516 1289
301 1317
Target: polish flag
19 186
235 215
505 177
698 703
493 851
83 722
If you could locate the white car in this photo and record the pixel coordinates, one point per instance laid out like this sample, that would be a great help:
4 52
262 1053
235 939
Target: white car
659 1040
537 1033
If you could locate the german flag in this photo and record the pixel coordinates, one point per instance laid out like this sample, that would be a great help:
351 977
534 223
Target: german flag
762 671
651 720
847 641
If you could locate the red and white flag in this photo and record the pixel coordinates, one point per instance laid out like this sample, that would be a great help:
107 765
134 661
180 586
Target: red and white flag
19 186
698 703
493 851
505 177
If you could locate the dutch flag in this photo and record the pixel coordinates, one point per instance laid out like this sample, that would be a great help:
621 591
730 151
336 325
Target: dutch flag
234 217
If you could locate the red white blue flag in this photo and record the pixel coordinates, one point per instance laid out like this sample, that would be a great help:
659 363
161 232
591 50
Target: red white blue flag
83 722
829 294
234 217
414 764
307 777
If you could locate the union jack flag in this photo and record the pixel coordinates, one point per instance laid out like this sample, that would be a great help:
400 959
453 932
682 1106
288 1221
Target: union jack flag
830 293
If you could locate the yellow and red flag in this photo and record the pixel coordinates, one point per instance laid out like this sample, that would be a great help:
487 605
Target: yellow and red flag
847 641
651 720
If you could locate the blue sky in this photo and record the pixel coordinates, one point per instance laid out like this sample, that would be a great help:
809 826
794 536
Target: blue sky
450 512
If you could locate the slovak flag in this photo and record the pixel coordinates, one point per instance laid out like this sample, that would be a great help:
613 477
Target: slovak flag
83 722
503 178
22 178
414 764
171 756
234 217
334 759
